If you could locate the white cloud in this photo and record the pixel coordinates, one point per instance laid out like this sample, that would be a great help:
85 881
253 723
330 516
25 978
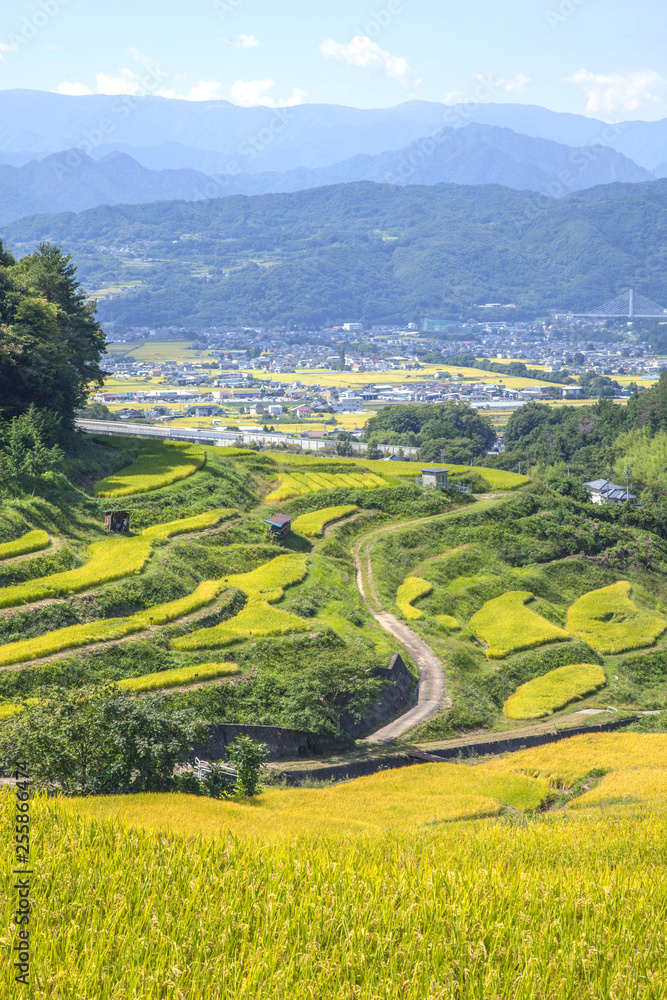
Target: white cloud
516 85
249 93
364 52
205 90
6 47
614 93
244 42
73 89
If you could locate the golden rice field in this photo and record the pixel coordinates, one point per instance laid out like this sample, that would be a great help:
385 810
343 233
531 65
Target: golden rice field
544 695
110 559
448 622
32 541
178 677
410 590
313 524
89 633
507 625
158 464
498 479
384 887
610 621
197 523
264 587
301 483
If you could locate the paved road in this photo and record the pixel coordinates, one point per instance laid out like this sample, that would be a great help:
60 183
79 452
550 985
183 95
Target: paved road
432 690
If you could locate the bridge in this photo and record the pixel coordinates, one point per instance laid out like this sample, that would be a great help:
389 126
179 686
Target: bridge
628 305
225 439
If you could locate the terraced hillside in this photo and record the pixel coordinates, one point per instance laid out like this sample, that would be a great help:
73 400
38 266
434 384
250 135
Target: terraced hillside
502 591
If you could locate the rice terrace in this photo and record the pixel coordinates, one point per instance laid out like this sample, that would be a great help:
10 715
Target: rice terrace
269 592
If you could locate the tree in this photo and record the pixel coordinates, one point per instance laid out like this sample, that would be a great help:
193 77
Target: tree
40 459
373 452
15 454
247 757
50 342
100 741
343 444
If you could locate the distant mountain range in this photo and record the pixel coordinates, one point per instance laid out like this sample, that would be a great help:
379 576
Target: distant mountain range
475 154
363 251
218 137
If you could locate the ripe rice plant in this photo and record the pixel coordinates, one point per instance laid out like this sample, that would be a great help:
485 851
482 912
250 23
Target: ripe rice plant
158 464
178 677
357 861
545 695
110 559
33 541
264 586
624 787
412 588
507 625
197 523
300 483
107 629
566 762
313 524
610 622
449 623
258 618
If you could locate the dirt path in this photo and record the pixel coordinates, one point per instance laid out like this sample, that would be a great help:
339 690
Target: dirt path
432 688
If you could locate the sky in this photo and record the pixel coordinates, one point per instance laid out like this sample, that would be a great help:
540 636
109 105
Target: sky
594 57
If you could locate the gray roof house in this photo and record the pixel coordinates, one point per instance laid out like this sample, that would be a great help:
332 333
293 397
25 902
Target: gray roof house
604 491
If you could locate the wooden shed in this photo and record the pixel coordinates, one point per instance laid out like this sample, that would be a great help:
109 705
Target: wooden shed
280 525
117 521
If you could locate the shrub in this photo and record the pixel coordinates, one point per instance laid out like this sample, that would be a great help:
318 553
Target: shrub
32 542
313 524
507 625
611 622
545 695
412 588
158 464
178 677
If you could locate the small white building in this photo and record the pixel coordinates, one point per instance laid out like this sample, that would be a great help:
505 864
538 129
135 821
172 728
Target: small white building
434 479
604 491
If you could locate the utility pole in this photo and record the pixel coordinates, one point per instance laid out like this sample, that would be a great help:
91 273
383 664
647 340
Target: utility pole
627 483
442 455
520 464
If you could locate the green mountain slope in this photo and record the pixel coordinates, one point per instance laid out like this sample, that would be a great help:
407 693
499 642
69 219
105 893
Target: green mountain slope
363 251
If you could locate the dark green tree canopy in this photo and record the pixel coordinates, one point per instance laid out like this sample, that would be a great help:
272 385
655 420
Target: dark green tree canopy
50 341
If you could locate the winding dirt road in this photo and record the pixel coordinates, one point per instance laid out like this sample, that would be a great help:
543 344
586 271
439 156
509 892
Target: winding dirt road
432 687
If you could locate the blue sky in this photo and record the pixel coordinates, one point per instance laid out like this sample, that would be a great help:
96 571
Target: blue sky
593 57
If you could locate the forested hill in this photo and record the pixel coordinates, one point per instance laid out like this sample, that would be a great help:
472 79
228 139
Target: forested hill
364 251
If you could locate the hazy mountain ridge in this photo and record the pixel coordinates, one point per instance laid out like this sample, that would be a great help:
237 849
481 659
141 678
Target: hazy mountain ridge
476 154
210 135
